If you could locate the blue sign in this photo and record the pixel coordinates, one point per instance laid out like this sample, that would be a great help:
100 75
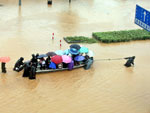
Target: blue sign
142 18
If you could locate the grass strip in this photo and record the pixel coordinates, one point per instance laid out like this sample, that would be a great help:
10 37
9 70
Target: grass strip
121 36
79 39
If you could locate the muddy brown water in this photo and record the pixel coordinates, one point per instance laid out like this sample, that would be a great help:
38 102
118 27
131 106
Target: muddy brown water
108 87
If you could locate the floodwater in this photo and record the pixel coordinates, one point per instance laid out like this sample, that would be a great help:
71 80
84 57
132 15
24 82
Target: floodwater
108 87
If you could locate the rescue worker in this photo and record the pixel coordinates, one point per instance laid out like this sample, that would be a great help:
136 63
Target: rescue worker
27 69
130 61
19 65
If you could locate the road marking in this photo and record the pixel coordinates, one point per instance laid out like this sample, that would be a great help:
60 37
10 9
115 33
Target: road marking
144 15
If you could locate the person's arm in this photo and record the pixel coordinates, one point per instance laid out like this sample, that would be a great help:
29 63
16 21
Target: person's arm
127 58
132 62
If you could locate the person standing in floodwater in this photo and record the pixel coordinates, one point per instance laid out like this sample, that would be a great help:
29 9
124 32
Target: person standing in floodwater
3 67
3 61
130 61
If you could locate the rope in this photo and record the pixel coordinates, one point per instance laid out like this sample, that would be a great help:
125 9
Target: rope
110 59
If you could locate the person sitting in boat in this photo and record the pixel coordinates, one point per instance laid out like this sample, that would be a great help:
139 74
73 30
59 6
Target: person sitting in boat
86 56
71 65
48 60
65 65
60 66
130 61
19 64
52 65
74 52
42 63
79 60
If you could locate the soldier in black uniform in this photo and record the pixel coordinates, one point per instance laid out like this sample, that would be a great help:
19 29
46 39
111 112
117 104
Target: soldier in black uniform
19 65
32 74
34 60
27 69
130 61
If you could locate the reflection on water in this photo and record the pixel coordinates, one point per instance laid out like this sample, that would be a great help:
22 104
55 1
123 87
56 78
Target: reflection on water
108 87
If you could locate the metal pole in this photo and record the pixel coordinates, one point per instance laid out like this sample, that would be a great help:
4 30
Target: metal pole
19 2
69 1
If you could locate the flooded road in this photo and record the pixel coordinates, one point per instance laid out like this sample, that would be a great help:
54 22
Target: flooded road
108 87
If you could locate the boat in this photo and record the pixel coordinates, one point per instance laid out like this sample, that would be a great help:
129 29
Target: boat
38 70
31 70
56 61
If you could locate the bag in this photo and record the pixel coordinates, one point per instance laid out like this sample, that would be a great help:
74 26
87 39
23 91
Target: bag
52 65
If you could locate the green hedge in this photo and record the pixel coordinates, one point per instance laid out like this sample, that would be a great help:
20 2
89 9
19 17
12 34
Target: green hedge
79 39
121 36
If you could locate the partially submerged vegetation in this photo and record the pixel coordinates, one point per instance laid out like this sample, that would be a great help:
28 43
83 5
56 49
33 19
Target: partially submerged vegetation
121 36
112 36
79 39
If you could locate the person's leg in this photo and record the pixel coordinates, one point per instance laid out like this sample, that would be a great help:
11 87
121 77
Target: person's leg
26 71
41 66
3 67
32 74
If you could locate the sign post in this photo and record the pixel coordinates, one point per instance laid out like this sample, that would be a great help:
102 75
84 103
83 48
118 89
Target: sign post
142 18
19 2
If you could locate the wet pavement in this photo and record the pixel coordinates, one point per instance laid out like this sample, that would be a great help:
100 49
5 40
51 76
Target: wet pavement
108 87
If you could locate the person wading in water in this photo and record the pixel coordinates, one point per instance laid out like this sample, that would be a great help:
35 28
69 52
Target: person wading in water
130 61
